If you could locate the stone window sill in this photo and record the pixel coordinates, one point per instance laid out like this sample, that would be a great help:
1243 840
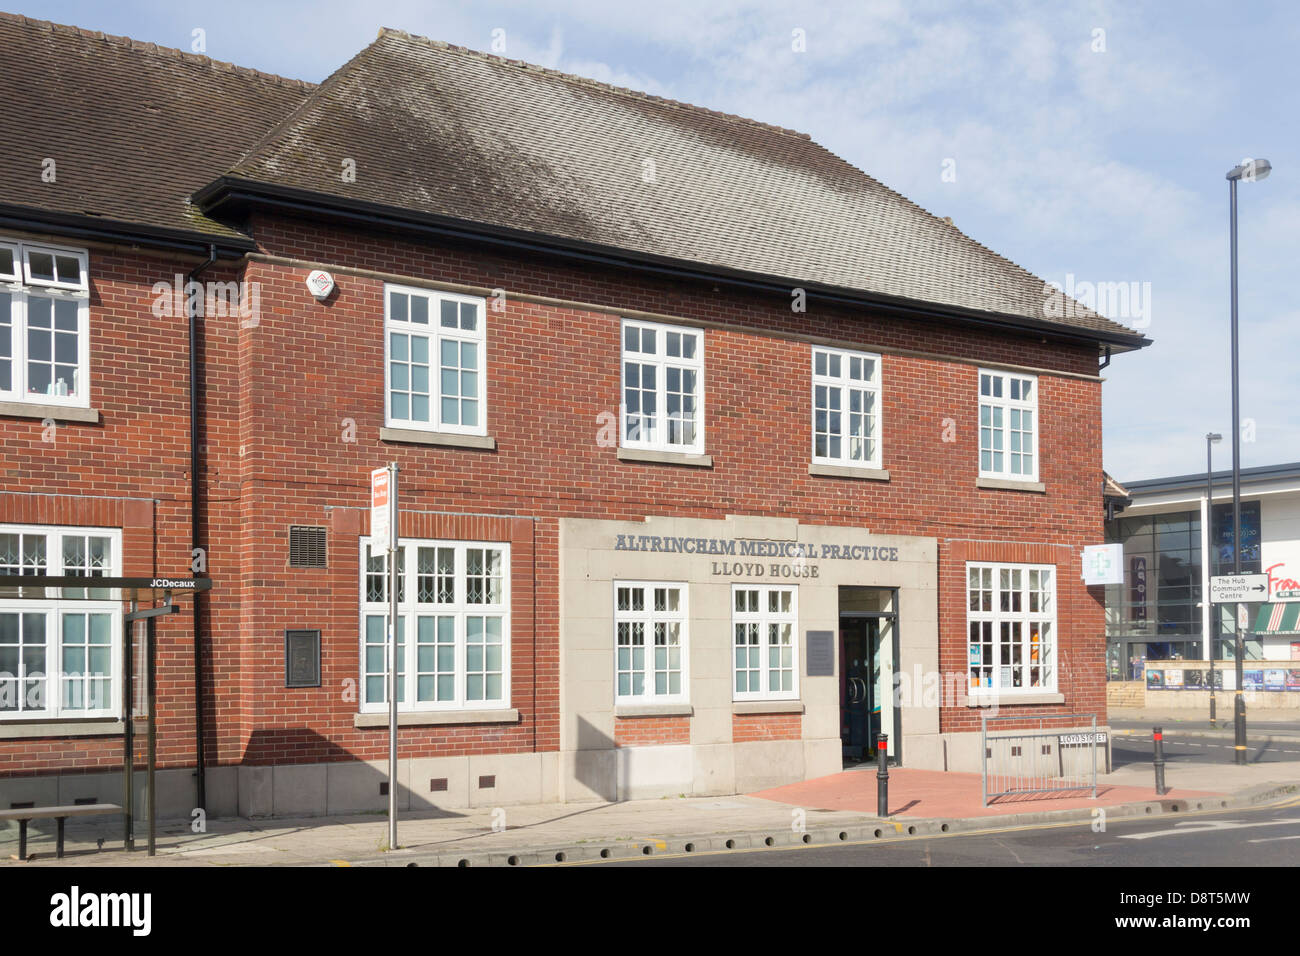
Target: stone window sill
1004 484
767 707
1011 700
653 710
439 718
649 457
416 436
14 730
848 471
60 413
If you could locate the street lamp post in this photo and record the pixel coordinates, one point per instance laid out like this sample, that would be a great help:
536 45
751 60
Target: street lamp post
1210 439
1251 170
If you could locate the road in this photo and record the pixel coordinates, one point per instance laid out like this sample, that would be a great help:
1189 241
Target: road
1264 836
1196 722
1185 744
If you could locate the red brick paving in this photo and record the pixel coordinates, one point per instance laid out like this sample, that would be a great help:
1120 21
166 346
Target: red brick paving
934 793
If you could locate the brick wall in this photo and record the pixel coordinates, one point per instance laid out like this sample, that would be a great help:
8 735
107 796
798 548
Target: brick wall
651 731
282 395
749 727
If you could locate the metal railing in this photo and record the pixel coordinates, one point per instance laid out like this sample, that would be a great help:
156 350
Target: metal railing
1053 754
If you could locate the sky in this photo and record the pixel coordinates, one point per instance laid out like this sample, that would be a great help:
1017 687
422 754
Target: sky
1086 141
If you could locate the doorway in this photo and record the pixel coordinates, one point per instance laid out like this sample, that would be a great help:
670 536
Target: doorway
868 648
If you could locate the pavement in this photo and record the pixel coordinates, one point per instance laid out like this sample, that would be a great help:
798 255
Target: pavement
839 808
926 794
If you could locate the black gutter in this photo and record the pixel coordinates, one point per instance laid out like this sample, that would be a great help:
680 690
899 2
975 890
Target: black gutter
93 228
236 192
193 305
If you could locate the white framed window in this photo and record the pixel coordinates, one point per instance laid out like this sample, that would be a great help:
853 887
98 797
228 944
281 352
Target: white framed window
1008 426
435 361
765 642
846 408
1011 620
453 613
60 658
650 623
662 405
44 325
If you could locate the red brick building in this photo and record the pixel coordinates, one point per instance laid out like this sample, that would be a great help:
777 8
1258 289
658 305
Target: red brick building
705 439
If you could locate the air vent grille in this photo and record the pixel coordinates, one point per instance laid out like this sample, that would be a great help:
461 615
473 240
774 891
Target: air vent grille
306 547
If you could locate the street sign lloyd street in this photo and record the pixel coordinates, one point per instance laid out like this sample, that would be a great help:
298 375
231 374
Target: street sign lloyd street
1238 588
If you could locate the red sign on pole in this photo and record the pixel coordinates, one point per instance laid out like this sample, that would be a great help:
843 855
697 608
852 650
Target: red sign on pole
380 510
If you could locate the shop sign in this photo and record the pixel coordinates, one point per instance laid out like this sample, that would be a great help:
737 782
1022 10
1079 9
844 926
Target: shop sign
753 548
1103 564
1281 586
1138 590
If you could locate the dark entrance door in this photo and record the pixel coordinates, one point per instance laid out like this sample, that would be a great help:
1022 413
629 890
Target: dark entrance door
859 703
868 649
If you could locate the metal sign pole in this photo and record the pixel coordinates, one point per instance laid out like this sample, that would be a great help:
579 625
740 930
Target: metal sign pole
151 695
392 656
128 732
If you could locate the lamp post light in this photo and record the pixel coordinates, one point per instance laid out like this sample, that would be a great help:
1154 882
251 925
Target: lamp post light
1211 439
1250 170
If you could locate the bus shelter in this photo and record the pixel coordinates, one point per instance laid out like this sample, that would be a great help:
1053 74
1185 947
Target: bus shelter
143 600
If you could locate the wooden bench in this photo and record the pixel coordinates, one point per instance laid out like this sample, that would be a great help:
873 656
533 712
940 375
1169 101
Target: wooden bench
24 814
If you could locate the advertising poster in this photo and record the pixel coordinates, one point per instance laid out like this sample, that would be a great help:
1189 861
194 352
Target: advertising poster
1275 679
974 653
1195 680
1293 679
1252 680
1155 680
1174 679
1295 650
1226 679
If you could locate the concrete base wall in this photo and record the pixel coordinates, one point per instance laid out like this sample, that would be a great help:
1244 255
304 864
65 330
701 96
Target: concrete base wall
960 752
453 783
424 784
175 791
647 773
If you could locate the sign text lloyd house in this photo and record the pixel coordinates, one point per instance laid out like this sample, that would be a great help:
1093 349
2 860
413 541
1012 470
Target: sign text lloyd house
579 621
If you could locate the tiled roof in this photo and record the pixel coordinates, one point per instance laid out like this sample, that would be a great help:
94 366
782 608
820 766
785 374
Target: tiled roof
441 130
436 130
133 129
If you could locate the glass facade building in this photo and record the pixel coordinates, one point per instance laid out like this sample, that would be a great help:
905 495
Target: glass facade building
1156 614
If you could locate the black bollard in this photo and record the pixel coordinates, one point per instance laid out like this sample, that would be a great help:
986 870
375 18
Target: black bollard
882 775
1159 739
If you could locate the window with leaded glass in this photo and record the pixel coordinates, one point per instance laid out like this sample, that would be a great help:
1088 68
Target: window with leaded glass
765 651
1011 622
453 626
60 657
649 641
